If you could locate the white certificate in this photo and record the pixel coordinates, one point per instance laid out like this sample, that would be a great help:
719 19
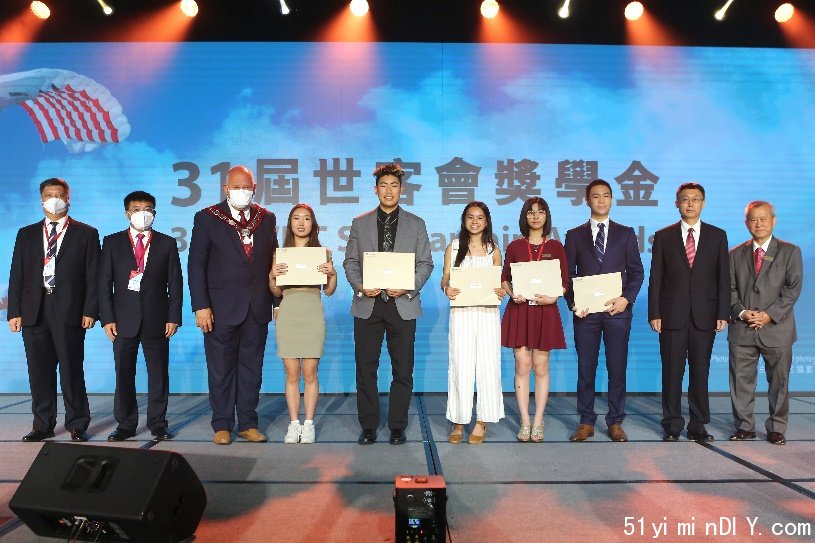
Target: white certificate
477 286
593 291
540 277
389 271
302 263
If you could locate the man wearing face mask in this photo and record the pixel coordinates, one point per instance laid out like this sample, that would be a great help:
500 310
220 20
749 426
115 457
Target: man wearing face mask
52 300
140 294
230 258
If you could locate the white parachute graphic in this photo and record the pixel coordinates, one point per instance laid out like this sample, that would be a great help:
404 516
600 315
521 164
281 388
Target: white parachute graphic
67 106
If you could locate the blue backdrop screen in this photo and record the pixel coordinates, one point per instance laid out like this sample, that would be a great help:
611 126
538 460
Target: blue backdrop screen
497 123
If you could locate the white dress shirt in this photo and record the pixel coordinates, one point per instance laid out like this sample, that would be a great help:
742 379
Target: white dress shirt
147 235
61 224
685 227
595 228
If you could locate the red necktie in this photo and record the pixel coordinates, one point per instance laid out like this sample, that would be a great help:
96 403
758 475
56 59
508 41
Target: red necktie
690 247
247 242
759 259
138 249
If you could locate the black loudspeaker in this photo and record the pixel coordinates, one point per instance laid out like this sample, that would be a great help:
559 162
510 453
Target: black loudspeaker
94 493
421 508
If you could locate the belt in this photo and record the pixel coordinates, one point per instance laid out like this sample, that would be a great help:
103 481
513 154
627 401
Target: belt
49 290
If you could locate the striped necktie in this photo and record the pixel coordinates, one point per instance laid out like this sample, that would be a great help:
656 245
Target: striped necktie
51 252
690 247
600 243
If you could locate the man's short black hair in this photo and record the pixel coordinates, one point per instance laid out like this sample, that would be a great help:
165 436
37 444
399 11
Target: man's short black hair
594 184
55 182
390 168
690 186
140 196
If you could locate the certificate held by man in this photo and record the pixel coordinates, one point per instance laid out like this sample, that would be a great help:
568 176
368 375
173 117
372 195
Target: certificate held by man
592 292
477 286
386 270
541 277
302 265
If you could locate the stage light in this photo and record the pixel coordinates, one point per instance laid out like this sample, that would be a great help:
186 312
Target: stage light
40 10
284 9
721 12
563 12
189 8
633 11
784 13
489 8
359 7
106 9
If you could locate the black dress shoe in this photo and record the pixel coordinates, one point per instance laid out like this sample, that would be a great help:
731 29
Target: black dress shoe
38 435
367 437
162 434
776 438
700 437
397 437
79 435
120 435
670 436
742 435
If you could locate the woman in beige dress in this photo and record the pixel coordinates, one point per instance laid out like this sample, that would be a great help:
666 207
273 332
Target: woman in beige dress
300 325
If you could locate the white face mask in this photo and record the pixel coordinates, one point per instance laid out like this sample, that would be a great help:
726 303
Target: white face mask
141 220
55 206
240 198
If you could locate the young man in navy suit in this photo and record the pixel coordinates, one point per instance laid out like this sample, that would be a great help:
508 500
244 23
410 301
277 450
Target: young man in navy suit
230 258
688 302
140 294
52 300
596 247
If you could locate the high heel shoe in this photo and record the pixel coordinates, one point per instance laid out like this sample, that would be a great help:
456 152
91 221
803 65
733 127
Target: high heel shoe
455 438
524 433
475 440
537 433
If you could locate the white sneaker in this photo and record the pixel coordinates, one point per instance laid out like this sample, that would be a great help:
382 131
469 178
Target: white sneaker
307 433
293 433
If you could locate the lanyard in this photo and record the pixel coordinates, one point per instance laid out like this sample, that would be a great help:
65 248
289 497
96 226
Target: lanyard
139 261
56 239
529 250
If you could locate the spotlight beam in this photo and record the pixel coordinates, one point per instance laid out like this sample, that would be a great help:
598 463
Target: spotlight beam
106 9
284 9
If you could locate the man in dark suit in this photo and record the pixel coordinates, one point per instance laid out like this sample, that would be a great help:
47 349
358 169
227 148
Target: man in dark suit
52 299
140 294
388 228
766 274
688 302
230 258
596 247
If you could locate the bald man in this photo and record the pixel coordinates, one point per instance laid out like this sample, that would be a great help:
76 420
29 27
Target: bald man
230 258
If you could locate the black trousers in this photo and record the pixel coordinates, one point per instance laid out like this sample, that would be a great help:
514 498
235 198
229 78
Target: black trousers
49 344
675 346
156 357
368 334
235 371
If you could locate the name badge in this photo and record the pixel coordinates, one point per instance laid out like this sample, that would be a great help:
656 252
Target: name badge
135 281
49 266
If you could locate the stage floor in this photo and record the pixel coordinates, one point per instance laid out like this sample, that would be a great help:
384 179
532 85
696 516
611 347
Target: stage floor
336 490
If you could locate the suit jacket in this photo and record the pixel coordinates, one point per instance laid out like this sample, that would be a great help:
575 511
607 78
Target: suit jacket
75 286
159 300
679 294
411 237
775 290
221 277
622 255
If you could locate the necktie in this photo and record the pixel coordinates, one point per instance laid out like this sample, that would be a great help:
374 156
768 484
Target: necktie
759 259
600 242
387 244
51 280
245 239
690 247
139 251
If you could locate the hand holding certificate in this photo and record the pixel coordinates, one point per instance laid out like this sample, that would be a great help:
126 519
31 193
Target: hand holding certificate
541 277
476 286
384 270
593 293
302 266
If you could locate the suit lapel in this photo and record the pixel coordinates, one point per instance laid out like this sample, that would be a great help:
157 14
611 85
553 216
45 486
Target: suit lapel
233 234
68 235
402 236
372 230
772 249
678 238
127 249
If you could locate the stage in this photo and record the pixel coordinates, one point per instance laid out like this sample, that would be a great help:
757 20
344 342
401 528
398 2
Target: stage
336 490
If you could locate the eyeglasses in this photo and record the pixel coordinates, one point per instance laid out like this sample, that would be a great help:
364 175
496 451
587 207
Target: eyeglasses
532 213
695 200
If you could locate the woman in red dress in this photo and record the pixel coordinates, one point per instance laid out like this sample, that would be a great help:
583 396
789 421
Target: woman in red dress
532 328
